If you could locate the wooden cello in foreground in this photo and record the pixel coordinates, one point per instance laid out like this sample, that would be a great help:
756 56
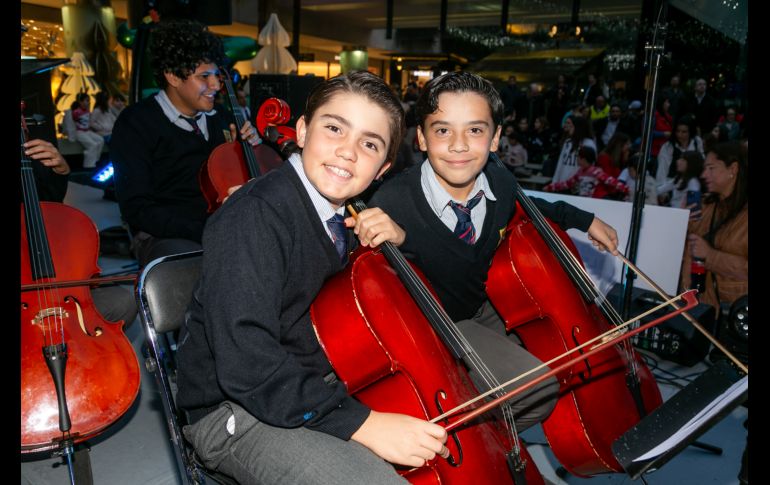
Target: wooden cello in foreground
236 162
79 372
380 343
538 285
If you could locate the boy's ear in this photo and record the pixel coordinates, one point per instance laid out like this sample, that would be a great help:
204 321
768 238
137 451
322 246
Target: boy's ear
421 139
496 139
383 169
172 79
301 131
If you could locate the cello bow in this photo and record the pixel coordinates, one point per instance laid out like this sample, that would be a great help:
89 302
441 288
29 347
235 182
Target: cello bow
608 339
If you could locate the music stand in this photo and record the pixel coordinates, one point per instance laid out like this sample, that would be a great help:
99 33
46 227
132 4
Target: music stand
679 421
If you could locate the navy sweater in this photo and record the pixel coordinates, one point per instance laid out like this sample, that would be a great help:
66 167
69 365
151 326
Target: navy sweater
156 170
248 336
455 269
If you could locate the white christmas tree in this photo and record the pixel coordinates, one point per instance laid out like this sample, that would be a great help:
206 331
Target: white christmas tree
79 80
273 57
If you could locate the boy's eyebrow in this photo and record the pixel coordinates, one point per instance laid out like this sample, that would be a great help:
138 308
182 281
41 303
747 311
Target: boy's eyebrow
473 122
346 123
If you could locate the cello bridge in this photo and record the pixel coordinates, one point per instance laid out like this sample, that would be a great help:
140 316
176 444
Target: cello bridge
45 313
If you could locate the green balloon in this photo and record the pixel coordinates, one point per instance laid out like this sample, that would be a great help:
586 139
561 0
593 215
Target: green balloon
126 36
240 48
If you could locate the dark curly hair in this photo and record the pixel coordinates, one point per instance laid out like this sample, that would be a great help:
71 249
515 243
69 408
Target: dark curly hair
458 82
180 46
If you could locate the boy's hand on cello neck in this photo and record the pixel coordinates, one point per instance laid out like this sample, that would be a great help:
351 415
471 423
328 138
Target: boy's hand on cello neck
373 227
248 133
47 154
402 439
603 236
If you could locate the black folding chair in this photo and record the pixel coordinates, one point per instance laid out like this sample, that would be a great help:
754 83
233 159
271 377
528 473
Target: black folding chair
164 291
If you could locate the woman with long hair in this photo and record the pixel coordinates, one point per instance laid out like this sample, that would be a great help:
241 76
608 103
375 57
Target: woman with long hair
577 133
682 140
614 157
685 184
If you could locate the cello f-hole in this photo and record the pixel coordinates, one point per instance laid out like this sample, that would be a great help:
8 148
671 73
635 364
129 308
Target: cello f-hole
81 320
440 395
584 375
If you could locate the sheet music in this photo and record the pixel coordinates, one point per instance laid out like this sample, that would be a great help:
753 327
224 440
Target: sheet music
713 408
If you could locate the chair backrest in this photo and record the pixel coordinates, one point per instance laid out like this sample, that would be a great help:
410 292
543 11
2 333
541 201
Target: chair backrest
166 287
163 293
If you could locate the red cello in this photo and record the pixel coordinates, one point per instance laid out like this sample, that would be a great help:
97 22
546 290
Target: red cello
538 285
381 345
79 372
234 163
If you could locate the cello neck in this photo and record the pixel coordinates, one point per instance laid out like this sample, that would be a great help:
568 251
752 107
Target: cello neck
37 239
251 161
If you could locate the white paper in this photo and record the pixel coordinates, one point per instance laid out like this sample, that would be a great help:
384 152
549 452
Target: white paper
713 408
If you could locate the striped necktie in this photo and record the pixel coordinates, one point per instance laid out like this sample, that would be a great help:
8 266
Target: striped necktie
464 228
193 122
339 232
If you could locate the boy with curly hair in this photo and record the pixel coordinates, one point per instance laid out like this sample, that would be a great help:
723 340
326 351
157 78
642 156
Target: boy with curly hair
160 143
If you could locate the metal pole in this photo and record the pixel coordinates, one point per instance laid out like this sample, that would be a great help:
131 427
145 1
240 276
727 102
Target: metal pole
655 51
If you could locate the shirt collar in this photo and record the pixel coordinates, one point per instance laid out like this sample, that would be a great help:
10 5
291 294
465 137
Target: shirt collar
321 203
171 112
437 196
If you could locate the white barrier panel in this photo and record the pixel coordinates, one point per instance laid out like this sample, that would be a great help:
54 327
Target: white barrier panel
660 248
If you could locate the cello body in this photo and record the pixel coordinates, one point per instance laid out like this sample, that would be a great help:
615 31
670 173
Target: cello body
537 299
385 351
234 163
227 167
102 371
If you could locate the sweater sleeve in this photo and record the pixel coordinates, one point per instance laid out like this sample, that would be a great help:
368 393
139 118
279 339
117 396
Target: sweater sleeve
612 184
131 152
244 288
51 187
561 186
567 216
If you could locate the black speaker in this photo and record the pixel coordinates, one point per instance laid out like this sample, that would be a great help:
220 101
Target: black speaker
675 339
290 88
733 330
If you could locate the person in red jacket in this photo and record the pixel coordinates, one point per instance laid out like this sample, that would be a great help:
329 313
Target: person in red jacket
589 180
664 125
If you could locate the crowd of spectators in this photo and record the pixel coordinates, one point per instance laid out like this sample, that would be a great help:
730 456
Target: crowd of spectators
545 127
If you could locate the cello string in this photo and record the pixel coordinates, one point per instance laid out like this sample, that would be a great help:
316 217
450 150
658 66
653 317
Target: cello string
248 152
28 189
40 246
421 293
608 335
575 269
598 297
473 359
471 356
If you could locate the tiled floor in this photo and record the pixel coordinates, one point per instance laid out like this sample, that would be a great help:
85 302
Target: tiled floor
136 449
